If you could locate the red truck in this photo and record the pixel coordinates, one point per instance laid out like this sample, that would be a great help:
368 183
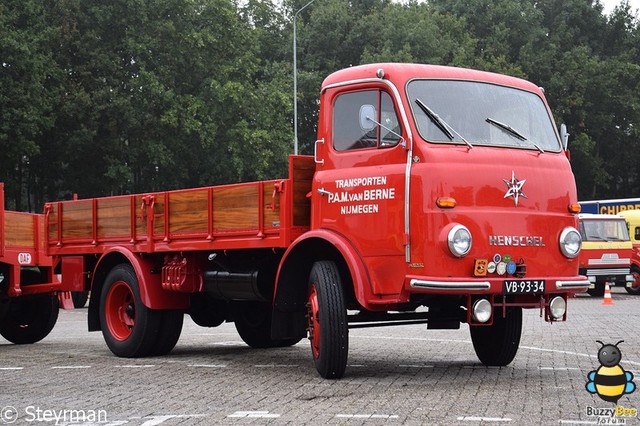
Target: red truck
30 289
430 187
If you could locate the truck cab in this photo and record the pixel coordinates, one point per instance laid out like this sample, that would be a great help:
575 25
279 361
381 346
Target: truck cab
451 189
606 251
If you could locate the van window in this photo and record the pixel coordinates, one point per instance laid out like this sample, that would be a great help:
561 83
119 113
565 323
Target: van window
365 119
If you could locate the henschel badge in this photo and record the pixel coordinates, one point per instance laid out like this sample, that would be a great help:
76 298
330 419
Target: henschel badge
514 188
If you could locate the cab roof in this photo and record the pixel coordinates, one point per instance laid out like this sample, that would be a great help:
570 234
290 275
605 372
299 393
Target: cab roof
400 73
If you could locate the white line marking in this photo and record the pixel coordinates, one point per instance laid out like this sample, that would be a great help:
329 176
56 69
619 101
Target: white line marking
276 366
254 415
11 368
577 422
560 368
135 366
156 420
531 348
483 419
367 416
415 366
207 365
70 367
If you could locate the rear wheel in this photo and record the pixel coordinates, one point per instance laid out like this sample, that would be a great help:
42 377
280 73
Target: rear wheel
169 332
253 323
327 321
79 298
635 287
29 319
130 329
497 344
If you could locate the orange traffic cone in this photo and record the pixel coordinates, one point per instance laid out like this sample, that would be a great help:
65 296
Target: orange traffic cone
607 300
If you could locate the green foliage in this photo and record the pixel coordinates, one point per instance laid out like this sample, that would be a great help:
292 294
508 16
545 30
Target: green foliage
101 98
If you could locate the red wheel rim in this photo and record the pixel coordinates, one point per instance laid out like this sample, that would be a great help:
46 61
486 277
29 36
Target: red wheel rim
120 310
636 277
314 322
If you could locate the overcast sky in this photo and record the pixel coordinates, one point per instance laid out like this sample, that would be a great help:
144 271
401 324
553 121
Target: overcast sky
609 5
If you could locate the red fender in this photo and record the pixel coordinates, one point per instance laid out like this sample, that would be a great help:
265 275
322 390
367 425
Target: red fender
359 274
151 292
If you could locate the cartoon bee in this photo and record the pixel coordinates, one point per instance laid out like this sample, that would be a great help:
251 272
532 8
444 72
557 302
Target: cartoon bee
610 381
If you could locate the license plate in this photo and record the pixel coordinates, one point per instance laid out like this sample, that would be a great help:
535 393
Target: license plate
523 287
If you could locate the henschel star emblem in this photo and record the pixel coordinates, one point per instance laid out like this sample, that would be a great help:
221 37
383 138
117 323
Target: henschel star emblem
514 188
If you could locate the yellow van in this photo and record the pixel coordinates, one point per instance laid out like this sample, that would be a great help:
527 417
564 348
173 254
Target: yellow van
632 217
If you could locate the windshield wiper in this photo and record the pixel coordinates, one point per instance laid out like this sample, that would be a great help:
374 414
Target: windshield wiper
512 132
440 123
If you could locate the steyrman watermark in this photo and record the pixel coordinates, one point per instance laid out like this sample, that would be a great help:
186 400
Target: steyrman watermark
33 413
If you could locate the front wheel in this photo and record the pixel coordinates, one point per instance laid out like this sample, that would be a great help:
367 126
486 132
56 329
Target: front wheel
130 329
29 319
327 320
496 345
635 287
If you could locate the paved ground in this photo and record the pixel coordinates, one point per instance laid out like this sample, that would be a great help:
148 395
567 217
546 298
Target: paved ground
396 375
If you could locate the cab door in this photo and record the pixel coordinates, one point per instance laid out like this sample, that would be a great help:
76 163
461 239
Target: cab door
361 174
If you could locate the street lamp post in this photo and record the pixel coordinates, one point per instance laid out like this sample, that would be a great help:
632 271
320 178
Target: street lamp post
295 80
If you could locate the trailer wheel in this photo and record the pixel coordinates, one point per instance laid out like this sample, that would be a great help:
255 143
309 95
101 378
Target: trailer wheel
130 329
327 321
496 345
170 329
635 287
29 320
253 323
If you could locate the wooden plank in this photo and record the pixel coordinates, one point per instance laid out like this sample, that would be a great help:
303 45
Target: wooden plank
235 208
53 223
271 209
19 230
77 220
188 211
302 172
114 217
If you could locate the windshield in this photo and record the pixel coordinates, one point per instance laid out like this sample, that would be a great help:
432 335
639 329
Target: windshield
603 230
481 114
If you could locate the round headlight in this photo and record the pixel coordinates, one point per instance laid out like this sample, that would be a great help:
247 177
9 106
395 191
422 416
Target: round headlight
481 310
570 242
459 240
557 307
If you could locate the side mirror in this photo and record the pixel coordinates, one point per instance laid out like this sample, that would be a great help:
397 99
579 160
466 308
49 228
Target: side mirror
367 117
564 136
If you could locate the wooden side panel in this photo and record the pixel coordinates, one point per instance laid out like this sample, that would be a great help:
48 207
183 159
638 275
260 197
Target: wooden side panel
270 206
77 220
301 172
141 224
189 211
19 230
53 223
235 208
114 217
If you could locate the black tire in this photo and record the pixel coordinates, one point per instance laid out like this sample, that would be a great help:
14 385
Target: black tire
253 323
130 329
79 298
496 345
327 321
170 329
597 291
29 319
635 290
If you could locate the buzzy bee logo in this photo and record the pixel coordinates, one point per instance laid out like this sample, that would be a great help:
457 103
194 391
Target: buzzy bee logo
610 382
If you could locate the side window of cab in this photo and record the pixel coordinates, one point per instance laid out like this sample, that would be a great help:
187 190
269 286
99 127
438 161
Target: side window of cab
364 120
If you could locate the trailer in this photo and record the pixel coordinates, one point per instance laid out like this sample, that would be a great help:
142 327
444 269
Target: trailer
30 289
435 195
